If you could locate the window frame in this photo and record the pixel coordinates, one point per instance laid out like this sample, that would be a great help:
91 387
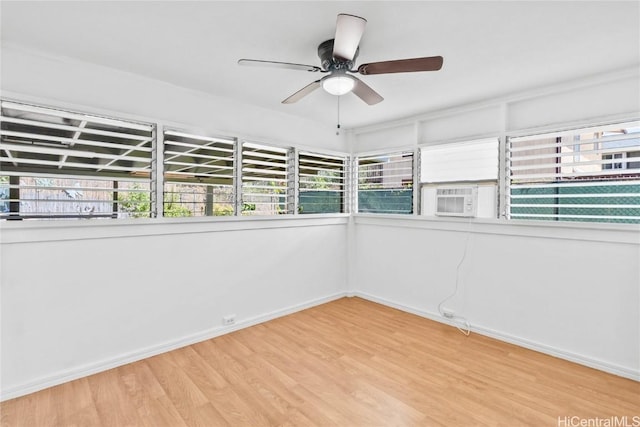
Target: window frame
282 160
320 160
198 145
400 153
156 183
44 131
583 179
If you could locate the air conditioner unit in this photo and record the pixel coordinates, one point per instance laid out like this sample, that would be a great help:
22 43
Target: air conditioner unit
457 201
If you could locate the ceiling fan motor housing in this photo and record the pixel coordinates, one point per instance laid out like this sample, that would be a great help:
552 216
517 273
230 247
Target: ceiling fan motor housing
337 58
329 63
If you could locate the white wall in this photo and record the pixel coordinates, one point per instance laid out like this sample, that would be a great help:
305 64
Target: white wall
611 96
569 291
80 298
70 81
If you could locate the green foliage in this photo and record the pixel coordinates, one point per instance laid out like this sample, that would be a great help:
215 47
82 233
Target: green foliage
138 204
173 208
223 210
248 207
324 180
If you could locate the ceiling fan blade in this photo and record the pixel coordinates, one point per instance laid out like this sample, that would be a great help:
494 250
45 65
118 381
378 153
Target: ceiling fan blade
275 64
364 92
429 63
302 92
349 30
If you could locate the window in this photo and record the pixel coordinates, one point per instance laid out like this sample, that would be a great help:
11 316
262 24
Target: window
588 174
462 161
385 183
61 164
469 168
626 160
198 175
267 177
321 180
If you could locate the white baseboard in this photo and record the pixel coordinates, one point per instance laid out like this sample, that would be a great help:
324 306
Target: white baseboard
532 345
94 368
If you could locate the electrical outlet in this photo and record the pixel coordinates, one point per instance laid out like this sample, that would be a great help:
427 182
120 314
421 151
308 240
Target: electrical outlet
229 319
448 313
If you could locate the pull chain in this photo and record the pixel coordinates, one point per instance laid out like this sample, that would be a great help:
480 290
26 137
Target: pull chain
338 125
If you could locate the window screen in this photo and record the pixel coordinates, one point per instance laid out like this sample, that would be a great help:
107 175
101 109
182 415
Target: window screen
62 164
321 181
588 174
198 175
464 161
385 183
266 180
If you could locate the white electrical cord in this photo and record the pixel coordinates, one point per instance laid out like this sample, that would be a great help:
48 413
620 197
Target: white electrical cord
459 319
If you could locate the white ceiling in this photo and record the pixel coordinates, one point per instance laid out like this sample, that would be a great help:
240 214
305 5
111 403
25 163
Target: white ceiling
489 48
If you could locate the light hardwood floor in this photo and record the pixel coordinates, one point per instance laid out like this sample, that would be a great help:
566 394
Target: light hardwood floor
350 362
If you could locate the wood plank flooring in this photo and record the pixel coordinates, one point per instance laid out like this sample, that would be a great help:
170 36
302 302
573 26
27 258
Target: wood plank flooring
350 362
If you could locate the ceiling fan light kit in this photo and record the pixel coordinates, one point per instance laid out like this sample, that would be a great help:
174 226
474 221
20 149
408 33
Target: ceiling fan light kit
337 84
337 58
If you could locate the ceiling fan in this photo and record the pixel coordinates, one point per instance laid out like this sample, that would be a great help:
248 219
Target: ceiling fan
337 58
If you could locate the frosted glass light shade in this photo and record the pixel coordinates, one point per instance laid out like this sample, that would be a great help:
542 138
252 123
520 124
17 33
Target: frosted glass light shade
338 85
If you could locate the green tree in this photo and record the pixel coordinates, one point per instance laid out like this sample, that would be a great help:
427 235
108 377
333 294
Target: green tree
173 207
138 204
222 210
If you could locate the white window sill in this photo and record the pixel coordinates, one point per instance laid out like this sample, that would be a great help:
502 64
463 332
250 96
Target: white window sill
40 231
599 232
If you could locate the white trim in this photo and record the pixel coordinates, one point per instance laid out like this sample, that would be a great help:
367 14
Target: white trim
47 231
591 232
562 87
134 356
385 152
570 127
480 138
512 339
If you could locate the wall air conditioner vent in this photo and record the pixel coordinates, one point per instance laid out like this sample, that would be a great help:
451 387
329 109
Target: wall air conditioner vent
457 201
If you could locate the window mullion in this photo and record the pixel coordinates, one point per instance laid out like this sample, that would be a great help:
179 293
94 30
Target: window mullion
157 172
293 185
416 178
237 175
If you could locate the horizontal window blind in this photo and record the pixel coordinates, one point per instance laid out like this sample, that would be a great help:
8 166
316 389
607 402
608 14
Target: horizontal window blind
62 164
266 180
385 183
198 175
465 161
584 175
321 183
